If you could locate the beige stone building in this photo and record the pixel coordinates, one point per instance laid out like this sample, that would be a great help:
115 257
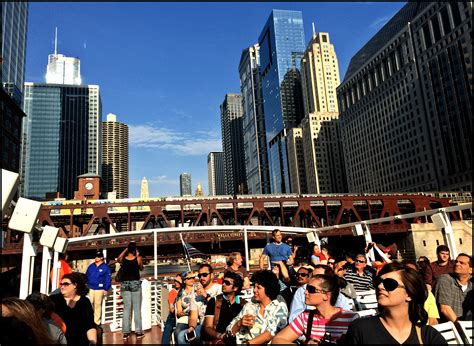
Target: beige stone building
296 161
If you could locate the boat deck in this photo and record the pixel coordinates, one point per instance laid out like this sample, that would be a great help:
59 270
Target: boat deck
152 336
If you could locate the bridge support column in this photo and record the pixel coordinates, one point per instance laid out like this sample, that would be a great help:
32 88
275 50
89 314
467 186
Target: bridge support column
27 266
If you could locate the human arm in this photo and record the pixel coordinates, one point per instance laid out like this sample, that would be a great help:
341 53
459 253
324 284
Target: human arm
92 336
193 321
122 255
297 304
285 337
443 296
262 261
263 338
448 312
210 331
246 283
139 260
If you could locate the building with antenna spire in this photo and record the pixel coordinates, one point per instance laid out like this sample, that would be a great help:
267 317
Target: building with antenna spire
62 69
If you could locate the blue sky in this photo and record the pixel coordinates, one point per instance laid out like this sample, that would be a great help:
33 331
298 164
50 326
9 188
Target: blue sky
164 68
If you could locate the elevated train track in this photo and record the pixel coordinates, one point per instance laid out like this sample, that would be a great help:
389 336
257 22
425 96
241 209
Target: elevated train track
79 218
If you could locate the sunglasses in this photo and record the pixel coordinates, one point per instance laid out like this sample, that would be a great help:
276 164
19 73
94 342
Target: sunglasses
359 261
331 262
179 282
227 282
302 274
65 283
313 290
190 278
203 275
388 283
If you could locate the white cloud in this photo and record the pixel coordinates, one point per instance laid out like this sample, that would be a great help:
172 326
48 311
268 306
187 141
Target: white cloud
380 22
191 143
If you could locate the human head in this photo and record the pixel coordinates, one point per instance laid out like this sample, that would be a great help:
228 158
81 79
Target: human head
42 303
289 240
235 257
463 265
16 332
188 278
328 290
277 236
411 291
331 262
99 257
132 248
443 253
205 274
303 275
268 281
25 311
235 280
322 269
341 266
316 249
360 262
74 283
178 282
422 260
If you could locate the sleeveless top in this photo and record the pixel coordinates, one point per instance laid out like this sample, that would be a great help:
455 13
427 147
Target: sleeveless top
131 269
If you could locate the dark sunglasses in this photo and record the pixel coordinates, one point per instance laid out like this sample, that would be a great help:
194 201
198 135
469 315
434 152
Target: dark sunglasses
227 282
190 278
389 284
302 274
313 290
331 262
359 261
203 275
179 282
65 283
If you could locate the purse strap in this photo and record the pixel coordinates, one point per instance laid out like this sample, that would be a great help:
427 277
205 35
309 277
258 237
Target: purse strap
418 334
310 324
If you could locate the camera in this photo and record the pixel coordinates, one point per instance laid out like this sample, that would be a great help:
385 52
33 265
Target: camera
190 335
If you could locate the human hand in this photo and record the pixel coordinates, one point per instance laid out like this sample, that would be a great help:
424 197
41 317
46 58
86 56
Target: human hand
248 320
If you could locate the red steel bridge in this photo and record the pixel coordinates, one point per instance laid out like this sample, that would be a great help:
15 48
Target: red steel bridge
86 217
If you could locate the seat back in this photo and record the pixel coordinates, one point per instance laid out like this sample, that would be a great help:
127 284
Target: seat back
449 333
466 327
368 312
366 300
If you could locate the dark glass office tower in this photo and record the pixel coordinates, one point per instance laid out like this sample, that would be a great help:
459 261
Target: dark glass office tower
282 46
61 124
185 184
14 28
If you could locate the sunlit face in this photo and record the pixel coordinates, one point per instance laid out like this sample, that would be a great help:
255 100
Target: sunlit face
67 287
360 263
303 276
259 293
443 256
228 285
278 237
314 294
238 260
205 276
389 296
461 266
189 280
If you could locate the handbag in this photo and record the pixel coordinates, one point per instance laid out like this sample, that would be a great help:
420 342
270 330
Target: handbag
119 275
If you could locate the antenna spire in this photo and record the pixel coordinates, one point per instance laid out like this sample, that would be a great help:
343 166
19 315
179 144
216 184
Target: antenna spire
314 30
56 41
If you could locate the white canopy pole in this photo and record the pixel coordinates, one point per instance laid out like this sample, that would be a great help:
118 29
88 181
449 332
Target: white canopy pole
155 253
246 241
27 266
45 270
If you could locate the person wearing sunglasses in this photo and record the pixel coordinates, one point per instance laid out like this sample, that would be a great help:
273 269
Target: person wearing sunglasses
208 288
222 309
302 278
187 315
264 316
360 277
340 268
401 293
75 309
324 318
173 296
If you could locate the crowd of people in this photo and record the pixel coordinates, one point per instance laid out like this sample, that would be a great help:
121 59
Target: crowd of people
285 301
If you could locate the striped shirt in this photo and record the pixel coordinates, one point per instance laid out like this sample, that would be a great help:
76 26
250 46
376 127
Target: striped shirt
360 283
336 325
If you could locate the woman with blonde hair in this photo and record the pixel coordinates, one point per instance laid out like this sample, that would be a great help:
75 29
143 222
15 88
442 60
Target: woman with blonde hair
25 311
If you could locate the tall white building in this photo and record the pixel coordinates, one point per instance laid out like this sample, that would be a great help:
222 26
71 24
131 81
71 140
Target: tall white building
63 69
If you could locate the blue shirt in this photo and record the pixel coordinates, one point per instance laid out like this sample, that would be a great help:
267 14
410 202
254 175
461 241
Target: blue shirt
277 252
99 277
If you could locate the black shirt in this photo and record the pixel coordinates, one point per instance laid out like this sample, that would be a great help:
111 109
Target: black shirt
371 331
227 313
131 269
78 319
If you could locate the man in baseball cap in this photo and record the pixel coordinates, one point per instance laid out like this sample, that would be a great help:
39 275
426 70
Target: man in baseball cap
99 281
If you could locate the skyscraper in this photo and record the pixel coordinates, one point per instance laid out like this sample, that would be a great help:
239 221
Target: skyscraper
255 143
406 106
14 17
185 184
115 156
62 69
144 192
62 137
281 48
14 29
233 144
296 161
215 173
322 145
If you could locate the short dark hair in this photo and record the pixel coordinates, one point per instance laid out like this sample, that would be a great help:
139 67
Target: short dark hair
206 265
269 281
442 248
466 255
275 231
330 284
415 288
42 303
327 269
238 281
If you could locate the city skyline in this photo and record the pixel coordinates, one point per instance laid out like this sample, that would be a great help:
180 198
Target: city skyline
168 83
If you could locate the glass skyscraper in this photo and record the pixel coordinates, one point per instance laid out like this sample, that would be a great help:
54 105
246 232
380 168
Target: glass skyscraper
61 138
14 28
185 184
282 46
